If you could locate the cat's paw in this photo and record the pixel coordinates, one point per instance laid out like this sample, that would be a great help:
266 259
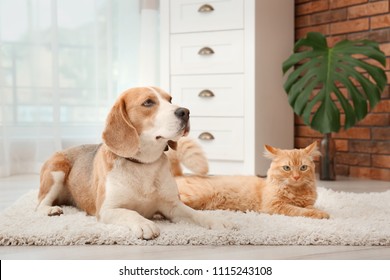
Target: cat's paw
214 223
318 214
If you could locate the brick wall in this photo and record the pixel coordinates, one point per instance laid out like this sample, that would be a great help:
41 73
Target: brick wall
364 150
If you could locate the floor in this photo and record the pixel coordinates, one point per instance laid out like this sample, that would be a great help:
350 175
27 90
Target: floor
13 187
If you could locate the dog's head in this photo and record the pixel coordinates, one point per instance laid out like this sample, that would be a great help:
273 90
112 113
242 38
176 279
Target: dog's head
144 115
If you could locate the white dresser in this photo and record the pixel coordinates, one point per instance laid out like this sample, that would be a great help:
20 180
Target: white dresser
222 59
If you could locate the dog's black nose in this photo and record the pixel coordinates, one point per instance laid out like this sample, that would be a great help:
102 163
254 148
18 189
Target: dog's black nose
182 113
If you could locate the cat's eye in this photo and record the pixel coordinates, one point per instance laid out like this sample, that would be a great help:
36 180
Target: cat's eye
303 168
148 103
286 168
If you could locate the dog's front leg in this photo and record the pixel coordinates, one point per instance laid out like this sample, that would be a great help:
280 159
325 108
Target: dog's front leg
175 210
181 212
140 226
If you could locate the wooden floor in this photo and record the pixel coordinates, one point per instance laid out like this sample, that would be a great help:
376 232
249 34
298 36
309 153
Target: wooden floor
13 187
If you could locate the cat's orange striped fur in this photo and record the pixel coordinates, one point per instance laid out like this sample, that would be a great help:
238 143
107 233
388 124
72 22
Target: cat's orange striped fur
289 189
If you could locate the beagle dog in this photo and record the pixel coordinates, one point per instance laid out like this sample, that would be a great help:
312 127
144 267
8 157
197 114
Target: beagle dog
126 180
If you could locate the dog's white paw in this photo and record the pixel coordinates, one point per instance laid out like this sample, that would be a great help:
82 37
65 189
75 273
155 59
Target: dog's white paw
145 230
51 210
55 211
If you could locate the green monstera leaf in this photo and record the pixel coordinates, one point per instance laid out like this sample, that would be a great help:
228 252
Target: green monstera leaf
319 73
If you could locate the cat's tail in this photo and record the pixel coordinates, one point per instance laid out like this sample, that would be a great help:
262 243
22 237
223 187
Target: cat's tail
190 154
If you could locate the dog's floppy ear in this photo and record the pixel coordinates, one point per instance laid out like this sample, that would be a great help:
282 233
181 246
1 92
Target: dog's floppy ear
172 144
120 135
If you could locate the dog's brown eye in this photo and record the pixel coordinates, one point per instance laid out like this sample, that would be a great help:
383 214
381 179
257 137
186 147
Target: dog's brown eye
148 103
170 100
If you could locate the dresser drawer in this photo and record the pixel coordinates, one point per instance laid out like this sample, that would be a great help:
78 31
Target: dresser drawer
207 53
212 95
200 15
221 138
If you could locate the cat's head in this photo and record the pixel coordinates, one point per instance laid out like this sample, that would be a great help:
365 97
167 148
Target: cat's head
292 167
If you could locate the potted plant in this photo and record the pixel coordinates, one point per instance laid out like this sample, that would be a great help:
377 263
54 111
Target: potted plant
313 87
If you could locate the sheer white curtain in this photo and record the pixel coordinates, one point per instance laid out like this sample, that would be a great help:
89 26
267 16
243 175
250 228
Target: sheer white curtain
62 64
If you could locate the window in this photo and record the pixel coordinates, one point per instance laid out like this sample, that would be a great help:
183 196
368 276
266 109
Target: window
63 63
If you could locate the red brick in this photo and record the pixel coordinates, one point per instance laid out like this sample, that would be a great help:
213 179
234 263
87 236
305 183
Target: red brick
362 172
342 118
353 133
386 92
382 107
328 16
344 92
381 133
376 63
379 35
359 35
302 21
380 174
372 62
381 161
320 18
385 48
368 143
370 173
312 7
341 145
370 147
342 170
332 40
305 131
303 142
381 21
349 26
353 159
375 120
298 120
301 32
368 9
315 107
334 4
317 163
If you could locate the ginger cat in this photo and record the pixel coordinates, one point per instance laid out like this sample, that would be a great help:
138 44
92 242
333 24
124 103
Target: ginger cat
289 189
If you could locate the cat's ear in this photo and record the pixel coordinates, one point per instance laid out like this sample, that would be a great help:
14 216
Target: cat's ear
312 150
270 152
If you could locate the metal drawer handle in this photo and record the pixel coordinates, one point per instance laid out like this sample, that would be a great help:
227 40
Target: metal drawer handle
206 93
206 8
206 136
206 51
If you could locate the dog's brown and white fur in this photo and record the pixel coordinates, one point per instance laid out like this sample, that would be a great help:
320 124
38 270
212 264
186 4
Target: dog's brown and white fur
125 180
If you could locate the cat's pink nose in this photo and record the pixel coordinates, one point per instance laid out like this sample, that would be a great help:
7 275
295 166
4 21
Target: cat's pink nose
296 178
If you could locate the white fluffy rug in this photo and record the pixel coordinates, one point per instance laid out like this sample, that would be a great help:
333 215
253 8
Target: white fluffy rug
356 219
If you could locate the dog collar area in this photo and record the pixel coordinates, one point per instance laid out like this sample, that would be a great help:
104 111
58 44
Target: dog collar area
141 162
135 160
138 161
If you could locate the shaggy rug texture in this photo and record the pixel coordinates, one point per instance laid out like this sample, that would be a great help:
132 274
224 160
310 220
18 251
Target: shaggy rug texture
356 219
